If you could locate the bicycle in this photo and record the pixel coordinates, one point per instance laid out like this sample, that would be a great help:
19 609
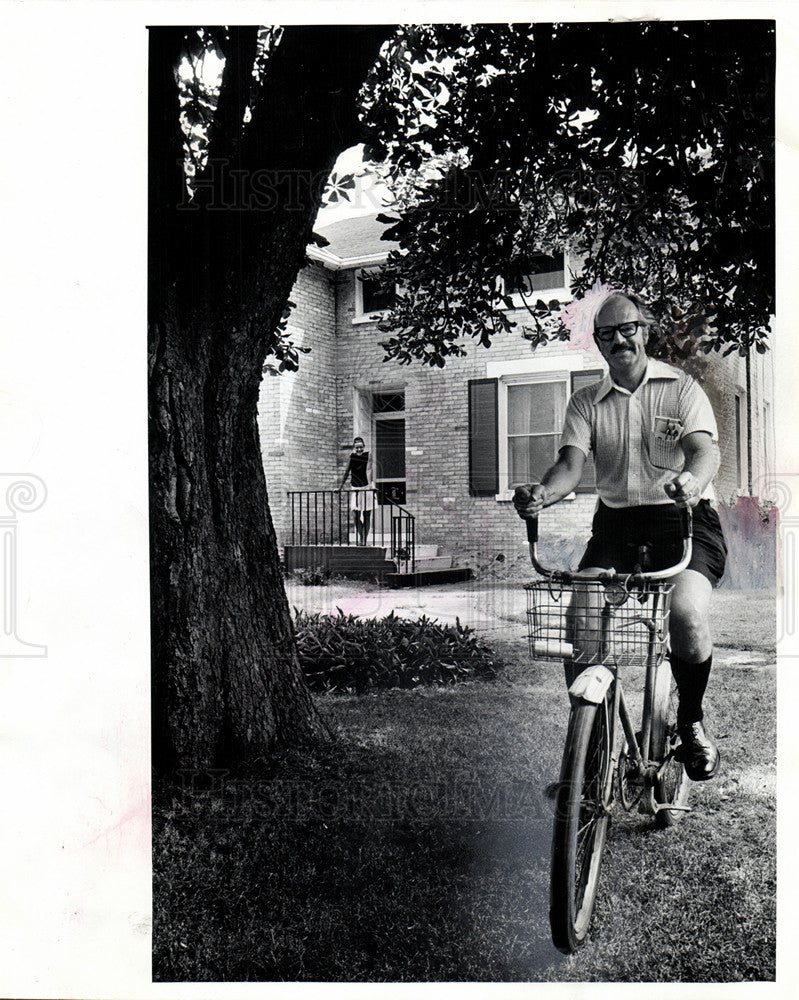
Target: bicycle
596 625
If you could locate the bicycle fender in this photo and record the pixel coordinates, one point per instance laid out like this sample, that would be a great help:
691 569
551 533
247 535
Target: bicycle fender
591 685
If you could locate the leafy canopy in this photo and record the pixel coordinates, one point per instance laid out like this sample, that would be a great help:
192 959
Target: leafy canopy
645 149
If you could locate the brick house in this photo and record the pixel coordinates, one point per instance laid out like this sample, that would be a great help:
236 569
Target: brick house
449 444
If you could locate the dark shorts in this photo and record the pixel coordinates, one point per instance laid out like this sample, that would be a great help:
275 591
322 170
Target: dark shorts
618 532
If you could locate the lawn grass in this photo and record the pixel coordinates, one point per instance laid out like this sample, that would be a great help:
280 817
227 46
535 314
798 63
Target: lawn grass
416 848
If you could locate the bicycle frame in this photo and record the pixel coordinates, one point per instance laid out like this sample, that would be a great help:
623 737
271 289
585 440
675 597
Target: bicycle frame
609 620
597 679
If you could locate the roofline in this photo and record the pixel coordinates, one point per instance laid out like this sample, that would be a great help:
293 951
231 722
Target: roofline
335 263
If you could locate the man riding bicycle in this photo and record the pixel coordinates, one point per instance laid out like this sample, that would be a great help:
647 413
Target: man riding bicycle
653 436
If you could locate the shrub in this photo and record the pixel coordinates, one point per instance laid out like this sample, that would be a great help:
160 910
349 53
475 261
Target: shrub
312 576
345 653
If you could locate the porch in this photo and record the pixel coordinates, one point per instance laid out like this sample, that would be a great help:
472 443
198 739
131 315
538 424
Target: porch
328 535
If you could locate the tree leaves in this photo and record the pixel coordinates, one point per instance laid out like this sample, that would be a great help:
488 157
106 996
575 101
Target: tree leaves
656 172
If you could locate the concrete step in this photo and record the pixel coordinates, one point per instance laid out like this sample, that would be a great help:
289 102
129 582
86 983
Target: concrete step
384 541
426 564
428 578
338 558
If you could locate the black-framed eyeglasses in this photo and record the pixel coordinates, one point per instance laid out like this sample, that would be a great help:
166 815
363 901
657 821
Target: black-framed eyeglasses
609 332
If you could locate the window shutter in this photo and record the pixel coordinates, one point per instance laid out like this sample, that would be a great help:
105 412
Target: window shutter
483 449
579 380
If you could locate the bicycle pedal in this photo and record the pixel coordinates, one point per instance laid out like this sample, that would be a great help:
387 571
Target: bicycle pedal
660 806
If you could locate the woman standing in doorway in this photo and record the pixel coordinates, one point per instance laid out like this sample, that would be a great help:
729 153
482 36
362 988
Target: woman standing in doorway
359 469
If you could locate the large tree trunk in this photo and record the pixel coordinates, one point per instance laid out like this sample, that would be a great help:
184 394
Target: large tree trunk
226 683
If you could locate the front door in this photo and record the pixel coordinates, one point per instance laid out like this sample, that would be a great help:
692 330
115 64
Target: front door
389 438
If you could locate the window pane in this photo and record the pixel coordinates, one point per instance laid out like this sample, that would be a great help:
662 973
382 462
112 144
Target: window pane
546 271
390 446
373 296
536 408
388 402
530 457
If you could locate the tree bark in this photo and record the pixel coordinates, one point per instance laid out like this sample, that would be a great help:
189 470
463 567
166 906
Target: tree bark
226 684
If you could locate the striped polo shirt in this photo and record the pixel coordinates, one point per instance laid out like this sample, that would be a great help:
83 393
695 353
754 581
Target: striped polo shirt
635 436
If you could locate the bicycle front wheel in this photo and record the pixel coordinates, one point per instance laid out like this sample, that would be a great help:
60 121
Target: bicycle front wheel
672 784
581 824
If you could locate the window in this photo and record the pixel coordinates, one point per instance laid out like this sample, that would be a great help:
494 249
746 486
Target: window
536 411
535 420
370 297
388 402
545 273
515 423
388 417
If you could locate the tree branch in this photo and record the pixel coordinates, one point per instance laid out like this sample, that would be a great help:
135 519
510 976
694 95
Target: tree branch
238 46
318 69
165 145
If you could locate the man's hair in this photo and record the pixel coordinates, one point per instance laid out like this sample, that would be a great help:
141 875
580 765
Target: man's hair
354 440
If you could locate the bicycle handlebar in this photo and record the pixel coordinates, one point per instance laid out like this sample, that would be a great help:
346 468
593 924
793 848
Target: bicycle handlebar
609 575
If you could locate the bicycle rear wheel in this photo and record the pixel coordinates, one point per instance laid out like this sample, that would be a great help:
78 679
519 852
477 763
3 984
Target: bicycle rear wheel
581 824
673 784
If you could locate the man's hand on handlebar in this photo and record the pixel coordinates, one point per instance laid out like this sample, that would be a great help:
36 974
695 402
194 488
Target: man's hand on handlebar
684 490
529 500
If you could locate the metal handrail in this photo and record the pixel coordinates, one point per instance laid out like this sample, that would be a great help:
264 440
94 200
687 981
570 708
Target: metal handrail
324 517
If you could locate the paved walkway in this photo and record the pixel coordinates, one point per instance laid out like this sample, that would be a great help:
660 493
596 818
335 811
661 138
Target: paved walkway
495 609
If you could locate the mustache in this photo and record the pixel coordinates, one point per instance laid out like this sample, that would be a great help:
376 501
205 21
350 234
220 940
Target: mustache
621 347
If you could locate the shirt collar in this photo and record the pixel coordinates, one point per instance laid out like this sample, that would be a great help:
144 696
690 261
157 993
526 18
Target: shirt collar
654 369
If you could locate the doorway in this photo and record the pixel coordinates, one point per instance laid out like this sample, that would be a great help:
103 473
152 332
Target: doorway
388 417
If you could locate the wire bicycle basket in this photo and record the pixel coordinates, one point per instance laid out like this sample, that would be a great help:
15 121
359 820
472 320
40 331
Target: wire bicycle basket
597 622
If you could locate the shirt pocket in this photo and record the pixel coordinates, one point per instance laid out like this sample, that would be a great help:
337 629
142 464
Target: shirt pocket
665 450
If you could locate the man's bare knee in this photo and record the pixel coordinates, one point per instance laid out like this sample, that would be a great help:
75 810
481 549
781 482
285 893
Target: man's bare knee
689 627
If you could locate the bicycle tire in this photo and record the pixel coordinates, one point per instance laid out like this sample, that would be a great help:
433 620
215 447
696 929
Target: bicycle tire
581 824
673 785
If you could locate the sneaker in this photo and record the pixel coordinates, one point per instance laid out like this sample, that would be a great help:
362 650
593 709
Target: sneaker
698 752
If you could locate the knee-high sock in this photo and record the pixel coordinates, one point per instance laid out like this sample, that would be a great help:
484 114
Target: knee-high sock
691 681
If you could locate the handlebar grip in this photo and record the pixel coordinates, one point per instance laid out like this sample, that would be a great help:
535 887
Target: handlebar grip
532 529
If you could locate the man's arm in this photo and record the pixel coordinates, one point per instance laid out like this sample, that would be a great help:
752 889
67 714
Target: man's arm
702 459
557 482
